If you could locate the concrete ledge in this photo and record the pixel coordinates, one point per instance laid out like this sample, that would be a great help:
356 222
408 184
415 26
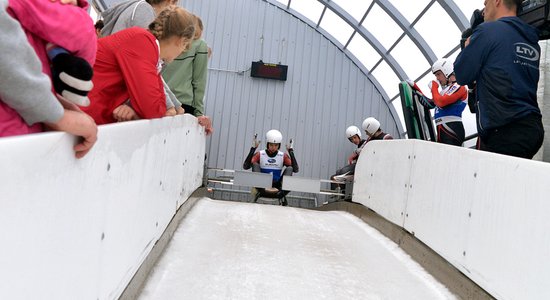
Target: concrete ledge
433 263
135 286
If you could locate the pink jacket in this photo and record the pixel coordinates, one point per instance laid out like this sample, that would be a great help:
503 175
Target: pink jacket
66 26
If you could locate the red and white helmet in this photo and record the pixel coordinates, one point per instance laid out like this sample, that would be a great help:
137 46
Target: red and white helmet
351 131
444 65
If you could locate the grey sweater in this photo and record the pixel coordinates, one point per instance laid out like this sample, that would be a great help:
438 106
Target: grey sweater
23 86
127 14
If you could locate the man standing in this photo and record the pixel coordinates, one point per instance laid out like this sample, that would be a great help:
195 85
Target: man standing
502 57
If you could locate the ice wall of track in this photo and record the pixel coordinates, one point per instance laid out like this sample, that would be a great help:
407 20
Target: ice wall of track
79 229
487 214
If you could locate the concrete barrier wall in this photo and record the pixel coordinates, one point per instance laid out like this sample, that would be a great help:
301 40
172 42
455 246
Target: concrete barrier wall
79 229
485 213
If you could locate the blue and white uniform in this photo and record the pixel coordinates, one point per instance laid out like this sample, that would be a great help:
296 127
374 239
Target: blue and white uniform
273 165
453 111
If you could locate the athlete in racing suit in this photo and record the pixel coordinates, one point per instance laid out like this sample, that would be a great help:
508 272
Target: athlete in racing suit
449 103
273 161
354 136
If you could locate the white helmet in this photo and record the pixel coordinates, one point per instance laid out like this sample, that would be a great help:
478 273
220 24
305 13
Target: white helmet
273 136
444 65
353 130
371 125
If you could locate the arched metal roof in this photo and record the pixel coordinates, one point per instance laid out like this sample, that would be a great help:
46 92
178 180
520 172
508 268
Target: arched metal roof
390 40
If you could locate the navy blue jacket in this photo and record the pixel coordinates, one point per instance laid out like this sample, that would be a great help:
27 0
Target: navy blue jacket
503 58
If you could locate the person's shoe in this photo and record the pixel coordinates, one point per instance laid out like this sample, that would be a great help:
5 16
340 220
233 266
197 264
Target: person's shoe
284 203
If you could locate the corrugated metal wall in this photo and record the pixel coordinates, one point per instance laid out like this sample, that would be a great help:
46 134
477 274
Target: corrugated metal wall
324 93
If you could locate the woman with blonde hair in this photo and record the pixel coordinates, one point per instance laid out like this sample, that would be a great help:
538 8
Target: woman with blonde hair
128 65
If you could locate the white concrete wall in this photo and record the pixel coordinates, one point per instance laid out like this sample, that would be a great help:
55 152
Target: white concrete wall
487 214
79 229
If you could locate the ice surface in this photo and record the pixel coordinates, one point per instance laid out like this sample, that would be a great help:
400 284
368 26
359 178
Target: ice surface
230 250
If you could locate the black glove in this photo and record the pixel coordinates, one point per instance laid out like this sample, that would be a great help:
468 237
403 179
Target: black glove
72 76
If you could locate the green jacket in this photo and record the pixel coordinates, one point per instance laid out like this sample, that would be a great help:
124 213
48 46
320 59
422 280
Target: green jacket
186 76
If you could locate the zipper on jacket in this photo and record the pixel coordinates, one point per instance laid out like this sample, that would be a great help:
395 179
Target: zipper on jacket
479 117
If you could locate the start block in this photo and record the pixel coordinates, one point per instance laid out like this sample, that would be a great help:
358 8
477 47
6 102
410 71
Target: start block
300 184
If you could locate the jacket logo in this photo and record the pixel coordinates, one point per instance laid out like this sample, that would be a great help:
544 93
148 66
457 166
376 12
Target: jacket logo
526 51
271 161
452 89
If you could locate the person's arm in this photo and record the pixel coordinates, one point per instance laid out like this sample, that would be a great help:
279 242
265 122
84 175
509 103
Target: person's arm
200 71
64 25
137 61
171 100
251 158
79 124
206 122
290 160
471 59
23 86
444 100
353 157
425 101
125 113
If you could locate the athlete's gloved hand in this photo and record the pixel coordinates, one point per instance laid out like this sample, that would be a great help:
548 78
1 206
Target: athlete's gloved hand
413 85
426 102
433 85
352 158
290 145
255 141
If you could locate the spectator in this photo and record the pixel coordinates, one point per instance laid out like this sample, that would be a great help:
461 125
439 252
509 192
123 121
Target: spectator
98 27
449 103
273 161
129 62
371 126
137 13
132 13
26 95
353 134
186 76
502 57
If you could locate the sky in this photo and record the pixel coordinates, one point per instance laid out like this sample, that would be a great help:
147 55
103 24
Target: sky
232 250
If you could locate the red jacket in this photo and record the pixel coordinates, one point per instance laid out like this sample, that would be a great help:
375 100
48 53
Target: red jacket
126 68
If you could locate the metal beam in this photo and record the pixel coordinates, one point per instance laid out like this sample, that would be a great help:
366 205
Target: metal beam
416 38
455 13
99 5
368 36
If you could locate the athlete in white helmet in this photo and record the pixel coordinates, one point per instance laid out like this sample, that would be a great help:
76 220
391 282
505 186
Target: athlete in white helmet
449 103
273 161
353 134
371 126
